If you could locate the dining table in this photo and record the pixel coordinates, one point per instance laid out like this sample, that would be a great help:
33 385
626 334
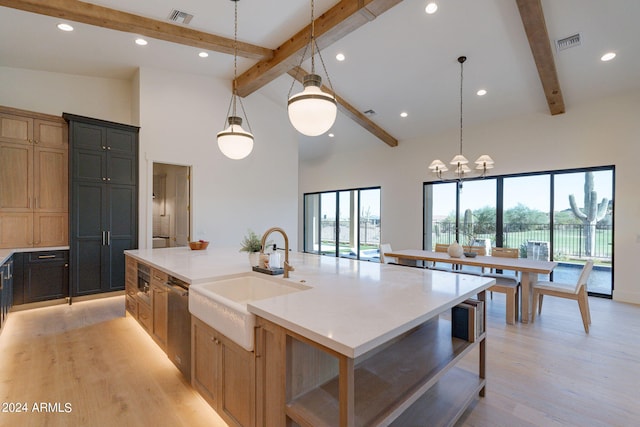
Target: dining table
528 269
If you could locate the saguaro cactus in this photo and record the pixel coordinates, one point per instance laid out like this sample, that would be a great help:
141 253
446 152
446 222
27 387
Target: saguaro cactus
590 214
467 224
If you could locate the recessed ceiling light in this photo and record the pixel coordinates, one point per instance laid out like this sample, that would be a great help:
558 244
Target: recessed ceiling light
340 57
431 8
404 114
203 54
608 56
141 42
65 27
331 135
481 92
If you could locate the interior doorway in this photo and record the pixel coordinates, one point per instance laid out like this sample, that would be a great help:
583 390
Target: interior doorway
171 216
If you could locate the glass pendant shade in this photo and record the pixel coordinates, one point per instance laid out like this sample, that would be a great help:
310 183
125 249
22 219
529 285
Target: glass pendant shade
459 159
235 142
312 112
484 162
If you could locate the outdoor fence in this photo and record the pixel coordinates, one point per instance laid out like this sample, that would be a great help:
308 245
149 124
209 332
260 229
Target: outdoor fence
568 240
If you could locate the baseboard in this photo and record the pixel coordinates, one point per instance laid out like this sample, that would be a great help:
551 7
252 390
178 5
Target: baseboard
630 297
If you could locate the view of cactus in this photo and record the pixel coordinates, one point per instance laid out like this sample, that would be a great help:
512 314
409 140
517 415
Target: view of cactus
467 224
590 214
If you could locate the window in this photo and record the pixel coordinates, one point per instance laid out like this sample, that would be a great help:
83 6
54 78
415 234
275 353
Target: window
344 223
564 216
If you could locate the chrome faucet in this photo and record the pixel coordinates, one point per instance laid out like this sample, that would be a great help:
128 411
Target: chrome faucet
287 266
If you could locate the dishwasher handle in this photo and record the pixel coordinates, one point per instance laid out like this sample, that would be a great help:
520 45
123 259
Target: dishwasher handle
179 289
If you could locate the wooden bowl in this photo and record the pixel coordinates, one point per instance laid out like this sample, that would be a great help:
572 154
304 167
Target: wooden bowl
197 246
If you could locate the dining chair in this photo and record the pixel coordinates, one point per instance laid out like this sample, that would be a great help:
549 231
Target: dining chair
577 291
386 247
506 283
478 250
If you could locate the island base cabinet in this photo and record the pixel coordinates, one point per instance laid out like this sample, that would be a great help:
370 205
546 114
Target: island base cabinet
413 379
224 374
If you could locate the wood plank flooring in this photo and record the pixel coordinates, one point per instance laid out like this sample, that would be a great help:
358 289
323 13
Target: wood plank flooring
89 355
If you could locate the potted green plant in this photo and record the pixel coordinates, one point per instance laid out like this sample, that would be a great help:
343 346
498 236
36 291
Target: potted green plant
251 243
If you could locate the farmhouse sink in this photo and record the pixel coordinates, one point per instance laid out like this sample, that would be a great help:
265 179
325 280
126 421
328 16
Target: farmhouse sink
222 304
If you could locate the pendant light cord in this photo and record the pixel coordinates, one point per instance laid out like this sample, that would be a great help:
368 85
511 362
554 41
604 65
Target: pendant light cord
461 77
234 93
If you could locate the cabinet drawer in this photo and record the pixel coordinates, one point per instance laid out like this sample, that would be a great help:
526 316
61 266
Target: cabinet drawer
144 316
48 256
131 290
159 277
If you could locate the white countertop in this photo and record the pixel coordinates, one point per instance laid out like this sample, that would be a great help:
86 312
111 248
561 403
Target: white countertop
352 306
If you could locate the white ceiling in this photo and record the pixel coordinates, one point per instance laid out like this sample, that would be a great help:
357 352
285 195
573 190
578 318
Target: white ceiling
405 60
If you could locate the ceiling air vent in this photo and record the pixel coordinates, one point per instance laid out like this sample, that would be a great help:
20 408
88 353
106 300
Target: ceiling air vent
180 17
568 42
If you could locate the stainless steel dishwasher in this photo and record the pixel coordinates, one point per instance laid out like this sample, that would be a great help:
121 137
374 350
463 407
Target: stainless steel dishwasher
179 326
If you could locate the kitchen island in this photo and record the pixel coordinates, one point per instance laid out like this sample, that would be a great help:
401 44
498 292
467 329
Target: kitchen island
365 345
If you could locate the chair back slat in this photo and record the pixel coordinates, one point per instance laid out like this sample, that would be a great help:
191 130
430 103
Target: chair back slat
505 252
480 250
441 247
584 275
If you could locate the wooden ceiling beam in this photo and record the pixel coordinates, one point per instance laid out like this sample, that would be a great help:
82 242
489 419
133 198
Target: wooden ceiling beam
87 13
331 26
350 111
536 29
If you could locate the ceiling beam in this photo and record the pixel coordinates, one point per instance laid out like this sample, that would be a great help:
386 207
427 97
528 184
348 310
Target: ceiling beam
100 16
331 26
348 110
536 30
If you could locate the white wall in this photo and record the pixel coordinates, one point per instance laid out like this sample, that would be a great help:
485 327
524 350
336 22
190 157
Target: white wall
602 133
180 116
56 93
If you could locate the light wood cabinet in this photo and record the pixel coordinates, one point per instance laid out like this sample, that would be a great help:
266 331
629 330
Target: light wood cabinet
224 374
34 178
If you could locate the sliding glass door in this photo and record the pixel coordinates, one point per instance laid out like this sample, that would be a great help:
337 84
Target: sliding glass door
343 223
564 216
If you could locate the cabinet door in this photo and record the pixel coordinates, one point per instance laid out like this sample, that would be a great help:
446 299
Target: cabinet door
159 310
89 238
237 381
50 229
205 359
89 166
51 180
52 134
16 176
88 136
16 230
16 129
121 209
46 276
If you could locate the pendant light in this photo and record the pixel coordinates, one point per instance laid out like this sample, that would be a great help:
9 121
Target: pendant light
459 161
235 142
312 112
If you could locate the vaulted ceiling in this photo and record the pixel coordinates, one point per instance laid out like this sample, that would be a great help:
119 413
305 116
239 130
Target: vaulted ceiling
398 58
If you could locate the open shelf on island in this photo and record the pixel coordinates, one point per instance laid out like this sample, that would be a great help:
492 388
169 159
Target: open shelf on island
387 383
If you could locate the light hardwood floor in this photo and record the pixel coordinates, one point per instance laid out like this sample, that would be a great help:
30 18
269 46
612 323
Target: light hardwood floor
549 373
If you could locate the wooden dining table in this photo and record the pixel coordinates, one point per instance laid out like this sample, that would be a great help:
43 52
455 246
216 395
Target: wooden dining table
529 269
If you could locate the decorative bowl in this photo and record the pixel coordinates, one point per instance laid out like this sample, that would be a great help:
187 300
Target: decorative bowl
199 245
470 254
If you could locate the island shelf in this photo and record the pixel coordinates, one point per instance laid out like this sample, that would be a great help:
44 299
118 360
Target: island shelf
410 379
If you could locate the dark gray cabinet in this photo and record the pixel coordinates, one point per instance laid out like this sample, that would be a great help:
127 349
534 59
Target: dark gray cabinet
40 276
6 290
104 202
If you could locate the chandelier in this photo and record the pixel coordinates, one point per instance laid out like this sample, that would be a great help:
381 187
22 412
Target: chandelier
459 161
235 142
312 112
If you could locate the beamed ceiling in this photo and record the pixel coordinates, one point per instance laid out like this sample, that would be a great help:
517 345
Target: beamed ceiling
398 57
